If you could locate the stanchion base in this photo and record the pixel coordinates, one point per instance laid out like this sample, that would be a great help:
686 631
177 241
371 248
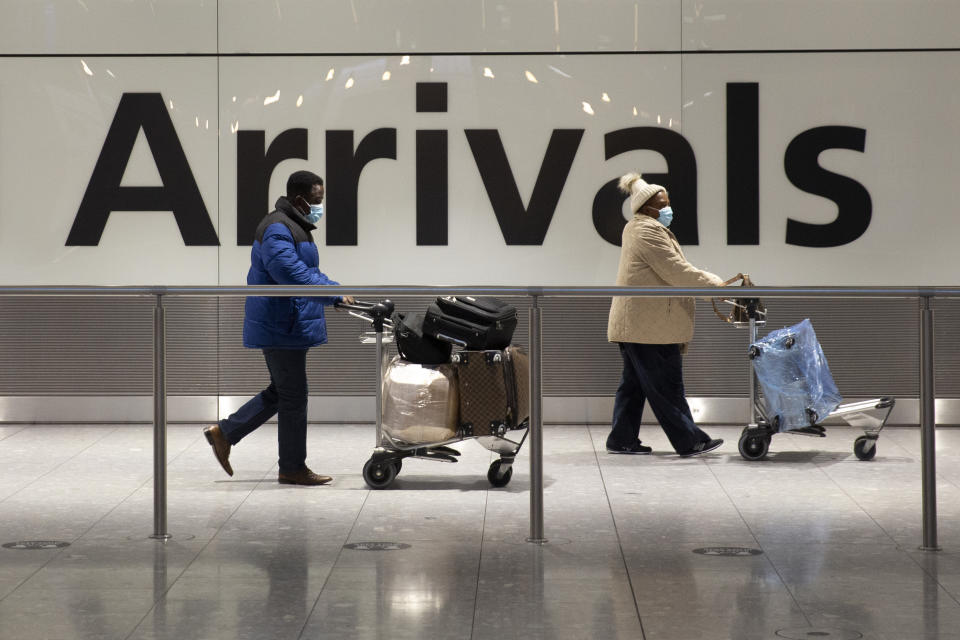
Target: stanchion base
537 540
160 536
922 548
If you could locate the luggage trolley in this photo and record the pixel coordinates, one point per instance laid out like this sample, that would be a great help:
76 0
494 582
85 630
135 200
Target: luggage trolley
389 451
754 443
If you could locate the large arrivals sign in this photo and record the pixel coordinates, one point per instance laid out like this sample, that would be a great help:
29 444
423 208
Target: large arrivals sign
801 169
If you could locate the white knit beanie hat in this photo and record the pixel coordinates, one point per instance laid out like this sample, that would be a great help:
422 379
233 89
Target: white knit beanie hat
638 189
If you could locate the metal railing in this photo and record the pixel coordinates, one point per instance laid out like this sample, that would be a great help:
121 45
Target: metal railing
923 294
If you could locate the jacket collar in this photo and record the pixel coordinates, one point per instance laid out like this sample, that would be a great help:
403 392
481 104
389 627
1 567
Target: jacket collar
286 207
645 219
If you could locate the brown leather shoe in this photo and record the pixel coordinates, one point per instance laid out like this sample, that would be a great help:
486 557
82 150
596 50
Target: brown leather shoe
221 448
304 476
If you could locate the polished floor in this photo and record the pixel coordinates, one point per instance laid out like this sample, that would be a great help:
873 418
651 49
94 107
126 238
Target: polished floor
836 541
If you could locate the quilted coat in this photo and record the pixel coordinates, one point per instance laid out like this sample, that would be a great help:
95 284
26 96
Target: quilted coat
650 256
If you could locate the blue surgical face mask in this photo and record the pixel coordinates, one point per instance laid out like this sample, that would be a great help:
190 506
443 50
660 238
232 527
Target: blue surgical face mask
666 216
316 212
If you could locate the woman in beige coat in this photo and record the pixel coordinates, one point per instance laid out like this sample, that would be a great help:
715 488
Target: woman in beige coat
653 332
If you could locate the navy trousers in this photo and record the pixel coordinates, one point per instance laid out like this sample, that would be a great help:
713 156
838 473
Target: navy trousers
653 373
286 396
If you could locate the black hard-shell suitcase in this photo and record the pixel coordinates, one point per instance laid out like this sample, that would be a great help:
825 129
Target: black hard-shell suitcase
473 323
413 345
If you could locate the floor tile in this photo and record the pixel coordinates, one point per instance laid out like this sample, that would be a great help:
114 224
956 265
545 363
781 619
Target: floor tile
632 551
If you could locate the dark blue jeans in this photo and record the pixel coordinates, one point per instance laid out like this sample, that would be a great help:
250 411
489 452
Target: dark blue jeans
653 373
286 396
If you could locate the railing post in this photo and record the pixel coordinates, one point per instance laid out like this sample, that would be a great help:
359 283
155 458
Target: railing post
928 423
159 422
379 393
536 429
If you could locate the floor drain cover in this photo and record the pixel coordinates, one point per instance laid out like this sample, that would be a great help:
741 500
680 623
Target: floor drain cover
728 551
36 544
818 633
376 546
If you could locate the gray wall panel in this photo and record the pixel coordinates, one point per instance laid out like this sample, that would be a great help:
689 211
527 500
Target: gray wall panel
102 346
75 346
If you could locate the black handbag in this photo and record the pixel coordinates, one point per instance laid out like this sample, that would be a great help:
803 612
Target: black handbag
415 346
743 308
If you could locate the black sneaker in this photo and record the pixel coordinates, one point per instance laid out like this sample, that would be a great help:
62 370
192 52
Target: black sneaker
702 447
634 448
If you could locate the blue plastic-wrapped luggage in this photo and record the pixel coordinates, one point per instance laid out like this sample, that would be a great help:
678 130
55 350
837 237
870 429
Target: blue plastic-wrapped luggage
794 377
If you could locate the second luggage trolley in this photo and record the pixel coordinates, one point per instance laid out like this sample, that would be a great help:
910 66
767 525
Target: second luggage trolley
503 437
754 443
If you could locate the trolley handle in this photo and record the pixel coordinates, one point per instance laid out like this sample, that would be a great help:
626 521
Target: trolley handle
382 308
377 313
743 308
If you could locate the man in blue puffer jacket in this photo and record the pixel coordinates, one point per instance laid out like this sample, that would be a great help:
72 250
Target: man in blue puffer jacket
284 328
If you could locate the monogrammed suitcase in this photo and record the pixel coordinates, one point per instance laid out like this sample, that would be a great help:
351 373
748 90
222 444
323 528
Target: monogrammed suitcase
494 390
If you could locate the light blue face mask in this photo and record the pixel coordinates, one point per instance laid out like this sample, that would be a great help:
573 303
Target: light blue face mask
316 212
666 216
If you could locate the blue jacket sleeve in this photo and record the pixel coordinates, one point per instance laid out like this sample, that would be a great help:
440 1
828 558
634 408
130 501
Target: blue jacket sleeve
281 261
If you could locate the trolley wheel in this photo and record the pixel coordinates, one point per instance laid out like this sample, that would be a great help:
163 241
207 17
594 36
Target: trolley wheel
860 448
494 476
379 474
753 447
399 465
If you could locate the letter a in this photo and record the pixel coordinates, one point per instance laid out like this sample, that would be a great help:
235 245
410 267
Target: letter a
178 194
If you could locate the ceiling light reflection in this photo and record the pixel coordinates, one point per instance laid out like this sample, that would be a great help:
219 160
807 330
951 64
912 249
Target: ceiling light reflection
271 99
488 72
634 111
587 108
605 97
300 100
329 75
349 83
416 603
404 60
532 78
385 76
86 69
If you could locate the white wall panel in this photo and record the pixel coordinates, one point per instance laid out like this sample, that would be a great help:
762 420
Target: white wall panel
54 117
108 26
819 24
409 26
524 112
908 165
900 101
